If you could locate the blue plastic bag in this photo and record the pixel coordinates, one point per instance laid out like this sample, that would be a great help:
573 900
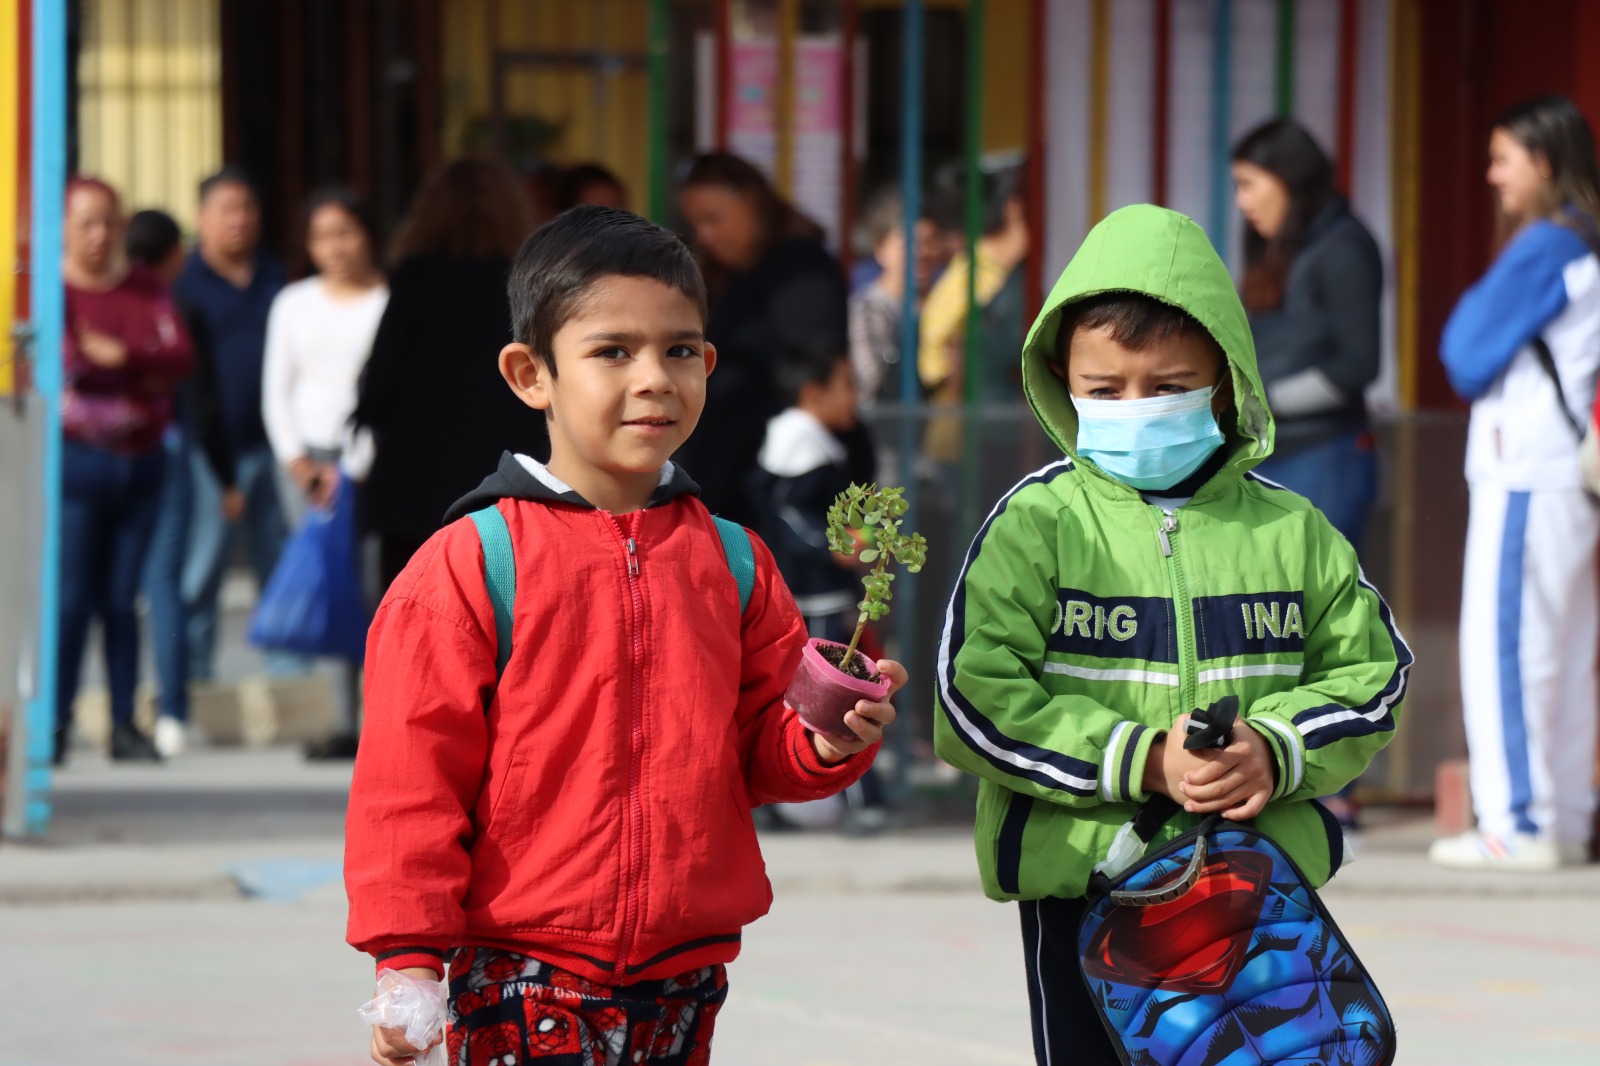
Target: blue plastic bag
313 603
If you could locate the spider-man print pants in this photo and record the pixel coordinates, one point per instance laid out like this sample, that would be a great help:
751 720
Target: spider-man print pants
508 1009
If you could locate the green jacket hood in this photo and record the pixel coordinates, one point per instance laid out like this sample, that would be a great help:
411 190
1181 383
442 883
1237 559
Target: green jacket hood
1165 255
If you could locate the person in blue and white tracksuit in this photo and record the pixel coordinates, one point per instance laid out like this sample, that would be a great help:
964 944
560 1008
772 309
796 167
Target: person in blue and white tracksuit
1530 615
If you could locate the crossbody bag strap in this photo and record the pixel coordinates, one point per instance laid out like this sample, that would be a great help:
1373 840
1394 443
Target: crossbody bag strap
1547 362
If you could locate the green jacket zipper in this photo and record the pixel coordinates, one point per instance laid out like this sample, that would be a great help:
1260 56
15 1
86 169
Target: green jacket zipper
1188 655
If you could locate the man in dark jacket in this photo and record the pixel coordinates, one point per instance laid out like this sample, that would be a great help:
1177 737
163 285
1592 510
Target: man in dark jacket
229 284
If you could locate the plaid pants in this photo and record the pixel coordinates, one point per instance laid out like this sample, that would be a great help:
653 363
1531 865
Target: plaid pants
508 1009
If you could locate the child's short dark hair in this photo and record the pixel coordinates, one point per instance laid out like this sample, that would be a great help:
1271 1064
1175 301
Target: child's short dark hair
885 215
1134 320
150 237
564 259
799 367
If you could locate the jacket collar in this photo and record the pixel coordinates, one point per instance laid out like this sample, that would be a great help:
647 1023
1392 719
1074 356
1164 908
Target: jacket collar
521 477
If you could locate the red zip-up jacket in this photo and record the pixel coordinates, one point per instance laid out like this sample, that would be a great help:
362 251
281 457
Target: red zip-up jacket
593 809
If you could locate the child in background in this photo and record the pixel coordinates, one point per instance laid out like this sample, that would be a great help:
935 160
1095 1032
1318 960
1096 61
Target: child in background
802 469
569 830
877 308
1146 574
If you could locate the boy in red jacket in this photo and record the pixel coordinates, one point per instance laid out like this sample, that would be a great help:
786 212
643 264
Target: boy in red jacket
573 835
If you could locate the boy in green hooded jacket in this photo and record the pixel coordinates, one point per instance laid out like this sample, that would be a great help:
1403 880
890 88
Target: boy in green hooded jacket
1147 574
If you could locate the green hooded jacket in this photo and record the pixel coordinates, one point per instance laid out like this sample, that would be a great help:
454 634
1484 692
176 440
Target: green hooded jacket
1086 619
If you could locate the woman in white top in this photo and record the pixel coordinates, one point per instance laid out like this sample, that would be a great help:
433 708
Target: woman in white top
319 336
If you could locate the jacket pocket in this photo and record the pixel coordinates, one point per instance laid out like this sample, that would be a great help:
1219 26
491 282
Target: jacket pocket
1008 843
488 817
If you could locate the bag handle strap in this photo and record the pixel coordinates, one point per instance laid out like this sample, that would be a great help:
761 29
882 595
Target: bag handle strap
500 575
1152 897
1208 728
1547 363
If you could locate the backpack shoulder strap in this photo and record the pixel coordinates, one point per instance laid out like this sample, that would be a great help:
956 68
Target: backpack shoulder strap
741 557
500 575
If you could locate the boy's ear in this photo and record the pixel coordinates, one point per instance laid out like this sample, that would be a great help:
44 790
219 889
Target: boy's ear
709 355
527 375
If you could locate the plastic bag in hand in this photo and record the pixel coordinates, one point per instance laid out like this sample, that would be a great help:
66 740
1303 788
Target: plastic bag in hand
411 1003
313 603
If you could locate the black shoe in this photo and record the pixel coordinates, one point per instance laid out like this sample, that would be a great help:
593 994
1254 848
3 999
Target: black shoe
338 746
130 745
58 754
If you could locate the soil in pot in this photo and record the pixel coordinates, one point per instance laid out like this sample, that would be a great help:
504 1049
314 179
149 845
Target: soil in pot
857 668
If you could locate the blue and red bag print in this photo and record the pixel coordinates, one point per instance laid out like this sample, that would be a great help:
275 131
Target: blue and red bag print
1215 951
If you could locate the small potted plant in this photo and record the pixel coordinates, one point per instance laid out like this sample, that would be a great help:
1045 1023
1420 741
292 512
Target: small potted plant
832 677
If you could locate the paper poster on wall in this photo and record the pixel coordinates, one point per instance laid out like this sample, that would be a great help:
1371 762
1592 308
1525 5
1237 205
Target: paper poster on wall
817 185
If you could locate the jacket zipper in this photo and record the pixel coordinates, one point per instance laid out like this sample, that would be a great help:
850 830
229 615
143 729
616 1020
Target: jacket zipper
630 909
1188 669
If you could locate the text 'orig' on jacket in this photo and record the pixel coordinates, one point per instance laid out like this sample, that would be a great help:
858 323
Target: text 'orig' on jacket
1086 620
593 808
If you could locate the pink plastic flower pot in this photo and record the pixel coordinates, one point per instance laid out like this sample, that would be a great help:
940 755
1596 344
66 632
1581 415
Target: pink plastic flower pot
822 695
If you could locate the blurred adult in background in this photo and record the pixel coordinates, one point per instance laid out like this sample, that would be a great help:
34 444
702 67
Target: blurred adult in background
319 337
773 288
432 395
1313 285
124 352
876 310
229 283
154 242
591 183
1523 345
1000 250
544 189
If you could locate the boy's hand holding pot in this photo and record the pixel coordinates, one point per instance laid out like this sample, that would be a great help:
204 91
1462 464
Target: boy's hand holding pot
867 721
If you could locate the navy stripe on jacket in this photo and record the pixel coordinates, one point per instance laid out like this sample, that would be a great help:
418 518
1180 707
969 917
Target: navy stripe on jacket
1041 766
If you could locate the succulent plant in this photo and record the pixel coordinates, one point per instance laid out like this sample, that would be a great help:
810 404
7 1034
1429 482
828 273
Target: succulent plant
876 513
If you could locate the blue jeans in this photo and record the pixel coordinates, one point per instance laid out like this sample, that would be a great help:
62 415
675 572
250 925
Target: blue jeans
109 504
211 542
163 582
1339 476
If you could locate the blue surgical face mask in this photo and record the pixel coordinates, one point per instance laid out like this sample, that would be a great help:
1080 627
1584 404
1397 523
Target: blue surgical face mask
1149 444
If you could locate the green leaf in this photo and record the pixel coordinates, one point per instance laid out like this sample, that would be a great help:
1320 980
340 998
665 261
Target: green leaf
870 555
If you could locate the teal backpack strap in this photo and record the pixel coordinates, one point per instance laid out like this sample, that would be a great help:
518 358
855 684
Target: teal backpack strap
741 558
500 575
